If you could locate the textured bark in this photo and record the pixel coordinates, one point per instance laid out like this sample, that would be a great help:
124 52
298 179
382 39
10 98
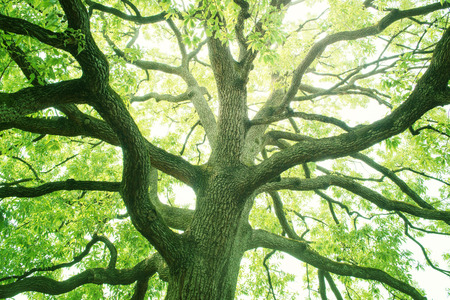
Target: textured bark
217 239
204 259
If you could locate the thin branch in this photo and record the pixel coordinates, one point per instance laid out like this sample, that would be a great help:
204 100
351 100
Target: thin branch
320 46
96 238
269 278
29 167
16 182
391 175
60 163
279 212
422 174
323 182
187 137
428 127
424 251
137 19
143 64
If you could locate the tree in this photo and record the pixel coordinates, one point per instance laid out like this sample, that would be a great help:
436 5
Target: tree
253 110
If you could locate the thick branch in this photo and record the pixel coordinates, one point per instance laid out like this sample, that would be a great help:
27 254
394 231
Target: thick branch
22 27
431 91
33 99
323 182
303 252
162 97
83 126
145 268
68 185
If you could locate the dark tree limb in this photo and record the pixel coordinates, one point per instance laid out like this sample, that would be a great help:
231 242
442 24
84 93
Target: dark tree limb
322 286
303 252
145 268
279 212
431 91
269 278
33 99
399 182
81 125
22 27
68 185
333 286
95 239
137 18
140 289
323 182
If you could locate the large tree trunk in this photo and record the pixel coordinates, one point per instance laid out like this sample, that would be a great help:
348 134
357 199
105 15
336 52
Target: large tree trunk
216 243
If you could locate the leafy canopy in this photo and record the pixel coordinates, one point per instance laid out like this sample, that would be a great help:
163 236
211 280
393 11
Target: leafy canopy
313 78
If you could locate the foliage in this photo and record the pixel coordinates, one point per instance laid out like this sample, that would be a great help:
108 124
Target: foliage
92 94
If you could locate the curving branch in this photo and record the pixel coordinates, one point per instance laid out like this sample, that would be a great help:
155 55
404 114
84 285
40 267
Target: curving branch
302 115
302 251
320 46
397 180
137 18
239 27
142 64
269 278
96 238
36 175
179 38
427 127
22 27
323 182
422 174
424 251
143 269
431 91
195 93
